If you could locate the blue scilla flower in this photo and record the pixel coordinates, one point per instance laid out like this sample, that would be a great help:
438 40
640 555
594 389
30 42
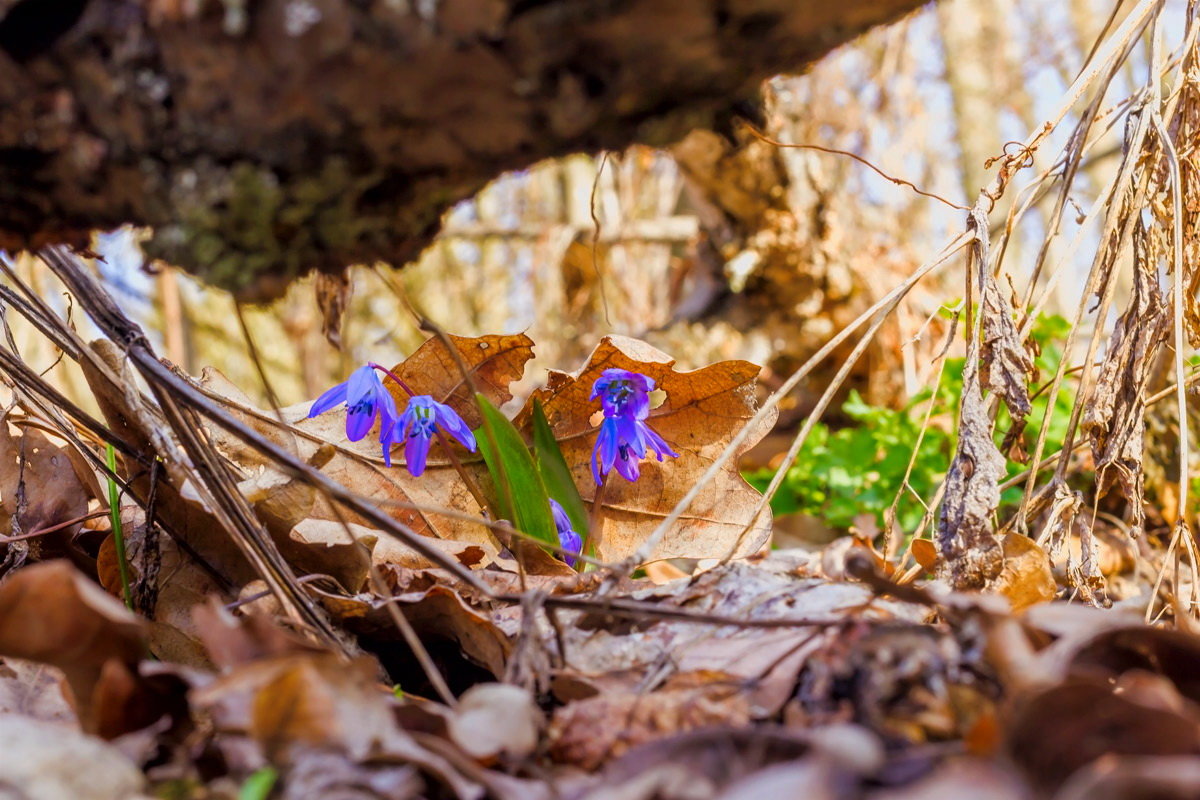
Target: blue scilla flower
423 417
622 443
366 400
567 537
623 393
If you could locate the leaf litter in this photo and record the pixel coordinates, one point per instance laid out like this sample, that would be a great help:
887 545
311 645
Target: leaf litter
776 671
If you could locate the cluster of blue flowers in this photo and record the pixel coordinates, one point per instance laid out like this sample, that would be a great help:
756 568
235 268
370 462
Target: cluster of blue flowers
624 435
367 400
623 442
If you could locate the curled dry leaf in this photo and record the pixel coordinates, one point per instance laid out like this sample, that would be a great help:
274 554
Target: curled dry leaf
50 613
332 292
971 554
1054 733
1026 578
976 778
590 732
440 611
698 764
703 410
1007 366
140 425
1115 419
1137 778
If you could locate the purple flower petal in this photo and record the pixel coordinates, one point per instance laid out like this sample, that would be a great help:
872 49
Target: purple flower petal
572 542
623 393
359 420
656 442
449 421
416 450
568 539
360 385
561 520
604 453
387 438
387 407
628 468
333 397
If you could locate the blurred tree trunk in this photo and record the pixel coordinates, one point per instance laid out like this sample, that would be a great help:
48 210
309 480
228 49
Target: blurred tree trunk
265 139
970 31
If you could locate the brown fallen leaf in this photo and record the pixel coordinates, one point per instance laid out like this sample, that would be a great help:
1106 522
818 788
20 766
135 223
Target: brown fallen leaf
494 363
1053 733
441 611
39 487
590 732
976 778
1027 578
1135 778
698 764
293 701
703 410
50 613
469 554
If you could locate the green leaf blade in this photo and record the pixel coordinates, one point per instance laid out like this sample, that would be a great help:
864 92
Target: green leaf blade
556 475
522 495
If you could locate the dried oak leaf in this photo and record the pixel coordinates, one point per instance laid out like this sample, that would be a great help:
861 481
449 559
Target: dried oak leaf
494 362
704 409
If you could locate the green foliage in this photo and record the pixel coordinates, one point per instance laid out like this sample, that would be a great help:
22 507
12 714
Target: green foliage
859 469
118 533
522 497
259 785
556 475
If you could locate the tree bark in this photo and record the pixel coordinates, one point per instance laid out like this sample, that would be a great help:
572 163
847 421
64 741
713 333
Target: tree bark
264 138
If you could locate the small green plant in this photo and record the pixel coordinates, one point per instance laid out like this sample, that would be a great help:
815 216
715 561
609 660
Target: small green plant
860 469
259 785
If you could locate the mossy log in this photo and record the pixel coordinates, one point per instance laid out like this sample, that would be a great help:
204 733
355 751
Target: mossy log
261 139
